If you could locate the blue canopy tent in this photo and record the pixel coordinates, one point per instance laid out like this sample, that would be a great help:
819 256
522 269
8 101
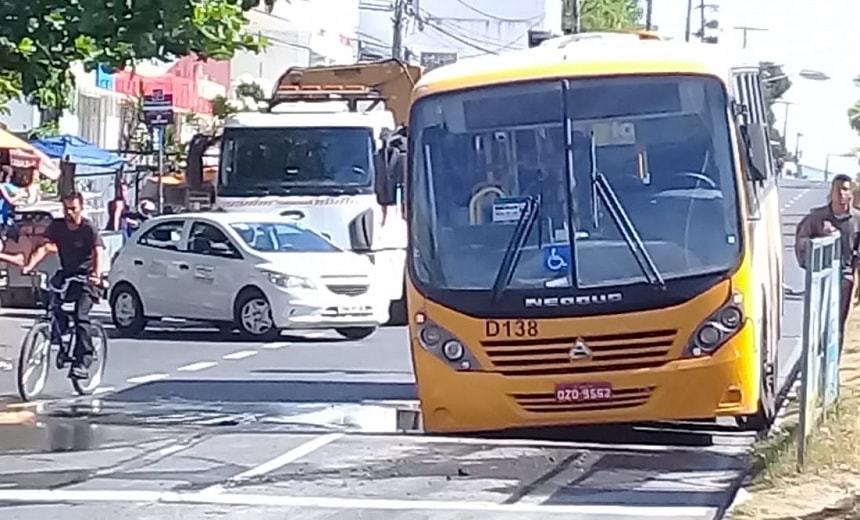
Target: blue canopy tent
80 158
72 149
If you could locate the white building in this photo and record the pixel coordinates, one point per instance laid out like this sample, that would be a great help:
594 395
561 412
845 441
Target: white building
300 33
438 31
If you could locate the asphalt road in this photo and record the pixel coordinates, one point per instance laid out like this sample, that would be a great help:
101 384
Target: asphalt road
191 425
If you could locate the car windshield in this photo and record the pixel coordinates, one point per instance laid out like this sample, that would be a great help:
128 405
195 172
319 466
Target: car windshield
279 237
637 170
276 160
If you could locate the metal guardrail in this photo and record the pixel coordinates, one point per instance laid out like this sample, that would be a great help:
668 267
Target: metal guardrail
819 378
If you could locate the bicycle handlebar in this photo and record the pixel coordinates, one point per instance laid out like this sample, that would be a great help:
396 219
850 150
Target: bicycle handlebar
73 279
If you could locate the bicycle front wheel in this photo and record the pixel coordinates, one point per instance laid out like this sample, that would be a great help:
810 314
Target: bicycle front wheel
34 361
97 369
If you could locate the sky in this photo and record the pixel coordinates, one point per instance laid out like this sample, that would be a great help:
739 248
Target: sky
801 34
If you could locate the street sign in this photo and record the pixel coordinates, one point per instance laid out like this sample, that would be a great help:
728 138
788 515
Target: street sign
158 108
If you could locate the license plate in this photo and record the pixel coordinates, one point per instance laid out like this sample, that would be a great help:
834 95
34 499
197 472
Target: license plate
351 309
583 393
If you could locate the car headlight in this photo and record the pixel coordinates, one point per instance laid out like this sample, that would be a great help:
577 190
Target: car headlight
288 281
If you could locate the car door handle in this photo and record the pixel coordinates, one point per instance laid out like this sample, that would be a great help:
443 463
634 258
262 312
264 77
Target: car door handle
138 262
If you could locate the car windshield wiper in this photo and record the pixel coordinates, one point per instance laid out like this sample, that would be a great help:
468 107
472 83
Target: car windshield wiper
600 185
522 229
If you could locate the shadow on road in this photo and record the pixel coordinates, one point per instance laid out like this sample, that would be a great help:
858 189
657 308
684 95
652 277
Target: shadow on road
247 391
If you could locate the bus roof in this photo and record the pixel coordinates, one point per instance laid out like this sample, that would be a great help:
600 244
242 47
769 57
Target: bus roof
585 55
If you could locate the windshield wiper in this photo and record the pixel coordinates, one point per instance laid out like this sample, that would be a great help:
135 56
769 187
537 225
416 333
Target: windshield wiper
600 184
522 229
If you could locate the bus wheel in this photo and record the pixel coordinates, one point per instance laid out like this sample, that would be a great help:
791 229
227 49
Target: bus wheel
762 420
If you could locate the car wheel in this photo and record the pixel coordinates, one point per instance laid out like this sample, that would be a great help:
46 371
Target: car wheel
126 311
253 315
355 333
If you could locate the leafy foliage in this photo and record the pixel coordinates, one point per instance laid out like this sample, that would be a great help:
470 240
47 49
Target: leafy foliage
776 83
41 39
602 15
854 113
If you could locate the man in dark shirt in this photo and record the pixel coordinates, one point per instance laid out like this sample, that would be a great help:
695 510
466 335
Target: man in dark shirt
81 250
838 215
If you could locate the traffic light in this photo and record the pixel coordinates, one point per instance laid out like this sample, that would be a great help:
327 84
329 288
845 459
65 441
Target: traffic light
709 26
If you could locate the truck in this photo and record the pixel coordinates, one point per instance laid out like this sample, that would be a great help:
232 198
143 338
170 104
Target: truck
325 151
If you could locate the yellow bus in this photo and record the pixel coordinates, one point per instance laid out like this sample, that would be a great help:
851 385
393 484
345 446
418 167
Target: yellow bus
594 237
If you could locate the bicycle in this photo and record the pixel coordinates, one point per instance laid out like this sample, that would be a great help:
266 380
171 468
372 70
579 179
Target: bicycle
48 332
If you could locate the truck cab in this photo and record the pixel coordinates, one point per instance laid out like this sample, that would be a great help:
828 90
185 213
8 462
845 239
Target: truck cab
321 153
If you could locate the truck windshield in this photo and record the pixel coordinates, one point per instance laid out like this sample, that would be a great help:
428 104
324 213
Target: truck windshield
280 160
658 146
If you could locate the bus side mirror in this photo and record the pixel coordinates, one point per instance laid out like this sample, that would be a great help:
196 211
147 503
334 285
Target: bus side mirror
754 139
390 162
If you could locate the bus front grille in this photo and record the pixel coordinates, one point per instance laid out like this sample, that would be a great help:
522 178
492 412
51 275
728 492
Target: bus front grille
621 398
552 356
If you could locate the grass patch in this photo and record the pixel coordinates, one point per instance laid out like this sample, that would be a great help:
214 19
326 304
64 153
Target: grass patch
829 487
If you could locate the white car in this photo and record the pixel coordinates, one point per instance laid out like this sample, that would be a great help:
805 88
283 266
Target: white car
260 273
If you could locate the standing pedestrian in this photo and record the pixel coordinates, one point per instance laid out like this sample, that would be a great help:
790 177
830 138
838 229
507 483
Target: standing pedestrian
839 214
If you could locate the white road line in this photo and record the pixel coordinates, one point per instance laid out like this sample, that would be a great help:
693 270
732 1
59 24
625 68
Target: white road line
368 504
196 367
242 354
275 346
280 461
139 380
170 450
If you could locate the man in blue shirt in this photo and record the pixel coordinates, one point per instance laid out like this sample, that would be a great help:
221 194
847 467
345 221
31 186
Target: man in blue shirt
10 195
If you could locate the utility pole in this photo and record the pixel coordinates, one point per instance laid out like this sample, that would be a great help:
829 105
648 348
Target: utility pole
689 20
577 16
702 19
649 11
397 37
746 29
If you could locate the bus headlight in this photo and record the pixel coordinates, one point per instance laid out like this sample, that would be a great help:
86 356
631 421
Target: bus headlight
453 350
445 346
718 328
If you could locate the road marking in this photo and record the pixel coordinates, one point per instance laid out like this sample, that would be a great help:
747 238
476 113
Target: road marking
170 450
275 346
103 390
149 378
195 367
280 461
242 354
367 504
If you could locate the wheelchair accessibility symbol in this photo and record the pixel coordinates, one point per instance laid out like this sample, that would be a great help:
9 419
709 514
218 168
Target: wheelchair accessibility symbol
556 258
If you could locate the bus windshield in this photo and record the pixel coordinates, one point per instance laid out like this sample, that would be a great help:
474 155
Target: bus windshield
273 161
637 172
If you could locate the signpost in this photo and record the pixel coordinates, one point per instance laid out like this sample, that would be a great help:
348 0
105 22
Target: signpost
157 114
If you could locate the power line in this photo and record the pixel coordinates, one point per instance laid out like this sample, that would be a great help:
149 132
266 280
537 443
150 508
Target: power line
493 17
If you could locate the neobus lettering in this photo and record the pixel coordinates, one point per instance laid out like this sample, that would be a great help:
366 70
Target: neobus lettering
573 301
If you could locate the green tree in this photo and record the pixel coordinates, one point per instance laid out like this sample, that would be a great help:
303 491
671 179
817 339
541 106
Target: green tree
603 15
776 83
854 113
40 40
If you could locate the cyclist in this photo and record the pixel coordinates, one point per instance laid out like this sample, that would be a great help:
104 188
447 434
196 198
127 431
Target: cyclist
82 252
